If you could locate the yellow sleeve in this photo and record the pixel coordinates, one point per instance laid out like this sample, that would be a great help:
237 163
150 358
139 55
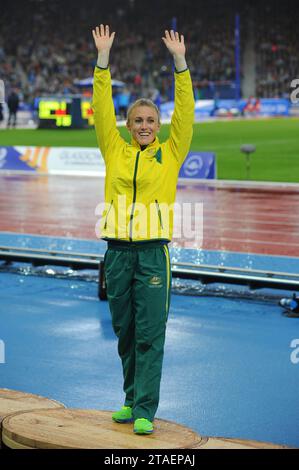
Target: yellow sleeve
107 133
181 127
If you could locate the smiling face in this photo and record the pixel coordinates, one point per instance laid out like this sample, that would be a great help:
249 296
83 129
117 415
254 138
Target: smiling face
143 124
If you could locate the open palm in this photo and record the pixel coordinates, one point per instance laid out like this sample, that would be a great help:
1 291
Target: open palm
174 43
102 38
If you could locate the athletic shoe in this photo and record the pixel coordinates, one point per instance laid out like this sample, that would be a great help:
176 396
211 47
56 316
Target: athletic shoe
143 426
124 415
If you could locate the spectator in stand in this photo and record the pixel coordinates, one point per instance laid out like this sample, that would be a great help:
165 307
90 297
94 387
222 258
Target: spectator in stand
123 102
1 113
252 107
13 106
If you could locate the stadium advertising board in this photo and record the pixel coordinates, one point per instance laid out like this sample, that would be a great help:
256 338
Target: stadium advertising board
233 108
199 165
86 161
53 160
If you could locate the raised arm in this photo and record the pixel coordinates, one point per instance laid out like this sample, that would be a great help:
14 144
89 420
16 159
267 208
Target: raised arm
103 41
181 128
102 103
176 46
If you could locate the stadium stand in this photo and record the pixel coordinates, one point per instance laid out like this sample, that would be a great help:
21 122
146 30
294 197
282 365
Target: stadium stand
277 47
44 47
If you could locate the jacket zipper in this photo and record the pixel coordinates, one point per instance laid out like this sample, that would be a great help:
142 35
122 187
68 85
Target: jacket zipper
134 196
159 213
111 204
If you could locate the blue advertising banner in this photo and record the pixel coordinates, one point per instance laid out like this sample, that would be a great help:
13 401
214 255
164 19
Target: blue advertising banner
225 107
12 159
275 107
199 165
88 162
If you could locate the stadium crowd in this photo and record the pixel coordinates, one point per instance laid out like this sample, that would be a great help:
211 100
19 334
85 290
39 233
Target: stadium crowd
45 47
39 52
277 46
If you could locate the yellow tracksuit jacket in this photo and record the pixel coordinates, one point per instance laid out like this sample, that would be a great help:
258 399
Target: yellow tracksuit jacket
140 186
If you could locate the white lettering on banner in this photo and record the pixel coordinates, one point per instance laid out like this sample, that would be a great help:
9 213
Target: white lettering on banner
71 158
294 97
295 353
68 159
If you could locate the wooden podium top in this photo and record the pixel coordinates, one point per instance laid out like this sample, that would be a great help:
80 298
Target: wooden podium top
12 401
89 429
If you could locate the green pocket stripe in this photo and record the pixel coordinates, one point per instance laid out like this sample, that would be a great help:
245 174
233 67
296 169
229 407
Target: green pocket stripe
168 273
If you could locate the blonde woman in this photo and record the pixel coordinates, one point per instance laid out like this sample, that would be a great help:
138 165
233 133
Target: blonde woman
140 189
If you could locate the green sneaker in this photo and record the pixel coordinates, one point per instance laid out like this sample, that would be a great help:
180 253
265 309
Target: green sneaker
143 426
124 415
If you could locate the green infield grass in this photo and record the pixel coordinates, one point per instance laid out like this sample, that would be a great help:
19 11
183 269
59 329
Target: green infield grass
276 140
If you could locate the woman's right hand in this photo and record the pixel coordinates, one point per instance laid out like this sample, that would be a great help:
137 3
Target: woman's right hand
102 38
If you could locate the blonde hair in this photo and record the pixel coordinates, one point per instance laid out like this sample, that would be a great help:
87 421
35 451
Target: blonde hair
143 102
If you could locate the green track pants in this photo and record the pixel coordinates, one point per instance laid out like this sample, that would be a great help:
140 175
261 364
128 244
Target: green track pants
138 281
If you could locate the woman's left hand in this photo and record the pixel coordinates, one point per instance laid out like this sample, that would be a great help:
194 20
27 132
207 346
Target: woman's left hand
174 43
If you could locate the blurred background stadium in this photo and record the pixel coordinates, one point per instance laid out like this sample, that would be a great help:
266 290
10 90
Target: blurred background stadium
240 378
243 57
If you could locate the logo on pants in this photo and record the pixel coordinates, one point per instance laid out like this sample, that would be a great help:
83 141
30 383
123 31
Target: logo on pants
155 281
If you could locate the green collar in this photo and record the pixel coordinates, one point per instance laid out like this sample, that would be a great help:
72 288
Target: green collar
154 144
